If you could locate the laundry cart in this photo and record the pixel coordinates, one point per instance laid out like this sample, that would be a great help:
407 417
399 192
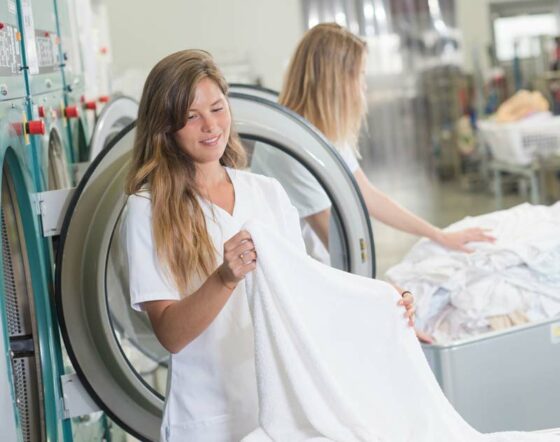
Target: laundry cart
506 380
529 149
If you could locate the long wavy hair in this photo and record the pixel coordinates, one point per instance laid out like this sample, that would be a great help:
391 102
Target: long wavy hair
160 165
323 82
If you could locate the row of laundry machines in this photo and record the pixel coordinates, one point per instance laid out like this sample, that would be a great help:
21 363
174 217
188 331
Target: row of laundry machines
47 122
74 357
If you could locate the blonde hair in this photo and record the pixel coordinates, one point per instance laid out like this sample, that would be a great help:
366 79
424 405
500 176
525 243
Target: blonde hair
323 84
179 228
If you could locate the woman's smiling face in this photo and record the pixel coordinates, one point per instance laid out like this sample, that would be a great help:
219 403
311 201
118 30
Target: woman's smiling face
205 135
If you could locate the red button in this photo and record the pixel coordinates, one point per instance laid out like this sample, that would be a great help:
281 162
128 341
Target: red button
41 111
35 127
71 112
104 99
1 25
90 105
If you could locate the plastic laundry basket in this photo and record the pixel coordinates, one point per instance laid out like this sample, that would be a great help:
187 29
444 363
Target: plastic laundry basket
521 142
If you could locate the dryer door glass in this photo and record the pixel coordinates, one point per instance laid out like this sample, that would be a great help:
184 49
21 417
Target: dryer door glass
111 346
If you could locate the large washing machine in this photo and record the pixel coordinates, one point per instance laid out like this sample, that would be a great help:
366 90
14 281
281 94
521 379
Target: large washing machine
75 98
29 366
112 347
46 91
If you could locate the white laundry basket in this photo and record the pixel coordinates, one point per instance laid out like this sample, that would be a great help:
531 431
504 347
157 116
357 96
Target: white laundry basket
521 142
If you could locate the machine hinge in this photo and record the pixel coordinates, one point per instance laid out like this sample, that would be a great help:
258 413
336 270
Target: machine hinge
363 250
75 399
51 207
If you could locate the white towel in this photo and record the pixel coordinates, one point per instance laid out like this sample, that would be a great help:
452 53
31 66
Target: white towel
519 272
336 360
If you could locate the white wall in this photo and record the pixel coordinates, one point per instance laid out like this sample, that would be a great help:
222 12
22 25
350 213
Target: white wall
263 32
473 19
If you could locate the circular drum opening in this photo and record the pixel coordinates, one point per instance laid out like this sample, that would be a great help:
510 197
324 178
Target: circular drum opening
20 314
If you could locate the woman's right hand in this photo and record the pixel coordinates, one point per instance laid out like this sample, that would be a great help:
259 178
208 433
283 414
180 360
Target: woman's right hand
240 258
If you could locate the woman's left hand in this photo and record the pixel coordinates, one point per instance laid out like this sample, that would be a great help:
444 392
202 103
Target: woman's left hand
457 240
407 301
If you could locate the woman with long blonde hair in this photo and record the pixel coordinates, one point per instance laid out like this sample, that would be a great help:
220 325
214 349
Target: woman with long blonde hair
325 83
187 256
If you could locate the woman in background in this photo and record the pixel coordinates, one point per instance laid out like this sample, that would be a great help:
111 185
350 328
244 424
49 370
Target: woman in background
325 83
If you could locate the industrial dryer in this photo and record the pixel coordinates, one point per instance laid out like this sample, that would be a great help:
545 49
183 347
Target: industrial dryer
29 366
75 96
43 77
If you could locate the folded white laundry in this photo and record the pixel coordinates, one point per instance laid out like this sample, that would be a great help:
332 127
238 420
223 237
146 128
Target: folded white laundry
336 360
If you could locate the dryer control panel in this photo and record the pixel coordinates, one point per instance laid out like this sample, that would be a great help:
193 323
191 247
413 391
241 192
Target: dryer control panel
47 51
10 50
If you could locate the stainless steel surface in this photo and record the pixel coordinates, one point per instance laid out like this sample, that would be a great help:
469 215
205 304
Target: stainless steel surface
503 380
52 206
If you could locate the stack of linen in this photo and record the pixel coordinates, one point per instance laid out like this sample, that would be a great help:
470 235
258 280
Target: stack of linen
510 282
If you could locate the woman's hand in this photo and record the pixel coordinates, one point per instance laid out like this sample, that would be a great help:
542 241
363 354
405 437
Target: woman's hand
240 258
424 337
457 240
407 301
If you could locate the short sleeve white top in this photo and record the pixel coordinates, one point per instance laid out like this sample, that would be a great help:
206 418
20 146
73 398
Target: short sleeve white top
212 393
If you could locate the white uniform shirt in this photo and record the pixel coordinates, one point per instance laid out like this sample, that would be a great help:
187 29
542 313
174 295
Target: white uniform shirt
212 392
304 190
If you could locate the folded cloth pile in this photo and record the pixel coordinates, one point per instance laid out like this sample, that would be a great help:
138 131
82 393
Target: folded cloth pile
514 280
337 361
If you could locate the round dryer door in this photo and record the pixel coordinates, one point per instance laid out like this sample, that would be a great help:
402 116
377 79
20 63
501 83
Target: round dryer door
111 346
115 116
306 188
254 91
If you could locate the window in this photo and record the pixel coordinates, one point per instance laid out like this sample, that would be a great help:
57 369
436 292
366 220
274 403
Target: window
523 30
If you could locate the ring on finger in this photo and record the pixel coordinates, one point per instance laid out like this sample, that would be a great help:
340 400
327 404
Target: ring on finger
242 258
